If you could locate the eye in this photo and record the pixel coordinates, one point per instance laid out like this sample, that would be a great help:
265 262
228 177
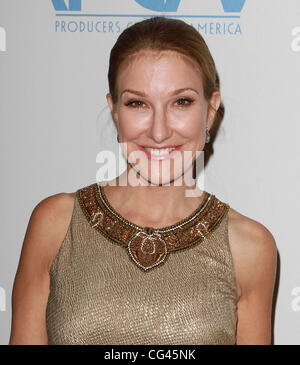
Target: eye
135 103
184 101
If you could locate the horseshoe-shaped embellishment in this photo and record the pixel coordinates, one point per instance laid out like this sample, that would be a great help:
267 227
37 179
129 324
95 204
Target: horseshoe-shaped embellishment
138 248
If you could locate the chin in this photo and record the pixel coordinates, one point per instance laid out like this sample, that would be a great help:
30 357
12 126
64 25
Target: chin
160 179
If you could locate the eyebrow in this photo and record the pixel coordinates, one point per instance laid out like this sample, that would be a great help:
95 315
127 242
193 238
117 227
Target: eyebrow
175 92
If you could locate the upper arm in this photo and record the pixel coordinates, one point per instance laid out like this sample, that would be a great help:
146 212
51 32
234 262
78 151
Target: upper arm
255 254
45 232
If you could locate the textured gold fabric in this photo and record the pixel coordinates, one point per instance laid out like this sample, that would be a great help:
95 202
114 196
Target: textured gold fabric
99 295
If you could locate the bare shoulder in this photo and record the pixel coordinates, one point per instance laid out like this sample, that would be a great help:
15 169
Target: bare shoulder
48 224
57 203
253 248
251 234
46 230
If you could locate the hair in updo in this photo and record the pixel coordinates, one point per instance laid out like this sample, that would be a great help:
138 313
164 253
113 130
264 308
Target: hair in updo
158 34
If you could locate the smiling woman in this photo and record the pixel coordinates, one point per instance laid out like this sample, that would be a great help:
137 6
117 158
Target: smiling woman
126 263
156 103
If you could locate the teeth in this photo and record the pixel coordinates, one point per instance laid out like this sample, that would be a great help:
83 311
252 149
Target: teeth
159 152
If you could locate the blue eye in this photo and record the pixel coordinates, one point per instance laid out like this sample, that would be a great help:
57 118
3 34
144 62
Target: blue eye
134 103
184 101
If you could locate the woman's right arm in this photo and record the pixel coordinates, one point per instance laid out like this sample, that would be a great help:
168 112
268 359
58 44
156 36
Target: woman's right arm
46 230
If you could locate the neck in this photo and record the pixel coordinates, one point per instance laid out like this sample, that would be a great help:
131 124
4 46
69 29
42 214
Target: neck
149 205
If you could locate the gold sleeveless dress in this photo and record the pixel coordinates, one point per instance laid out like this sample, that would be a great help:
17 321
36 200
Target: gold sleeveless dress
115 283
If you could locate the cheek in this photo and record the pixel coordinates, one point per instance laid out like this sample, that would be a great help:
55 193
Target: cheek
132 122
189 124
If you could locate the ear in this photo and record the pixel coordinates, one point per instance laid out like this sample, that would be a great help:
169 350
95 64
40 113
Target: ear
112 107
213 107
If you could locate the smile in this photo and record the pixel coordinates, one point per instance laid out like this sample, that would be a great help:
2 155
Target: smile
159 153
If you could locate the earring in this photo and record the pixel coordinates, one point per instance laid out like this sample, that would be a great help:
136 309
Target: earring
118 139
207 136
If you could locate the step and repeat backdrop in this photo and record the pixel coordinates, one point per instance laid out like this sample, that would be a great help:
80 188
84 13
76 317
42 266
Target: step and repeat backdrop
54 119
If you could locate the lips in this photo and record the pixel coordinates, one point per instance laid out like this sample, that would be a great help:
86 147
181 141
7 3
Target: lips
159 153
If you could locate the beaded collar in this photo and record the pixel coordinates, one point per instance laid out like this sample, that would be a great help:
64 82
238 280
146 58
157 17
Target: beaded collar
149 247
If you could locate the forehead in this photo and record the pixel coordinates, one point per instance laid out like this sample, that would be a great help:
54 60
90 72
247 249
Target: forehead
148 58
158 54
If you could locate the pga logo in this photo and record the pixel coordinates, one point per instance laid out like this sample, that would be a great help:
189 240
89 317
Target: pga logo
2 40
159 5
60 5
232 6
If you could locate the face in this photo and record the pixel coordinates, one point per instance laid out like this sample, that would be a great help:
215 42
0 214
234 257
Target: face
161 114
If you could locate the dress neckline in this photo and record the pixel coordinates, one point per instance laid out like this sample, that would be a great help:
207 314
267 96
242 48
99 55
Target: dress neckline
149 247
201 207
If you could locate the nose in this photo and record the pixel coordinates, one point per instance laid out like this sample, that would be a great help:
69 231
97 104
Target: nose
159 129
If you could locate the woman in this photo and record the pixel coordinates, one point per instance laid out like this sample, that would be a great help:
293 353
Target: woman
143 263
